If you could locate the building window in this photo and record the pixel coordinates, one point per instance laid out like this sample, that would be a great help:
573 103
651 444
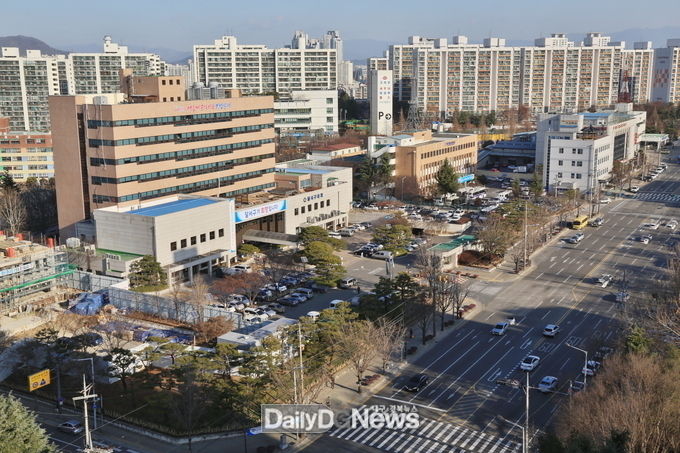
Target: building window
329 119
170 81
560 162
309 208
578 175
220 232
302 209
183 243
162 82
579 164
173 246
316 206
580 151
165 99
559 174
212 235
328 202
329 100
329 110
297 211
203 237
561 151
193 240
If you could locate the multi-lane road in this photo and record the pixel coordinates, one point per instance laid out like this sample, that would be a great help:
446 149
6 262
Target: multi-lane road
462 406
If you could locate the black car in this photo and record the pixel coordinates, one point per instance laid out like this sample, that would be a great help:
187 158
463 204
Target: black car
417 382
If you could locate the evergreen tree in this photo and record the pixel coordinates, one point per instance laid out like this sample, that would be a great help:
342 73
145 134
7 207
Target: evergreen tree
147 275
447 179
19 431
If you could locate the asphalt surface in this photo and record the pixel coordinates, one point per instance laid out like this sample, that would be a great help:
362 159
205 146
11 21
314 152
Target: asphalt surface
463 407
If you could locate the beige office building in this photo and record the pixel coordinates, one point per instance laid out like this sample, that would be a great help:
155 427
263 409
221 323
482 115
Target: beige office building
156 144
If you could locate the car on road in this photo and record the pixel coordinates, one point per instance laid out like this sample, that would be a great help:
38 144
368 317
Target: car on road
575 239
596 222
645 239
548 384
71 427
417 382
591 368
500 328
551 330
604 280
634 189
576 386
605 200
529 363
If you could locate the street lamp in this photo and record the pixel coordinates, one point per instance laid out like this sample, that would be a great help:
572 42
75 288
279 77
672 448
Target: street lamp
514 383
585 375
516 425
402 187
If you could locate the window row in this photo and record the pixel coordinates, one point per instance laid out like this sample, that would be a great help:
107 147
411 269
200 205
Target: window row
308 208
193 240
181 120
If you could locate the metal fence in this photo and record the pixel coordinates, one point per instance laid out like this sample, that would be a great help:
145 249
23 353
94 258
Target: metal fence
87 281
168 308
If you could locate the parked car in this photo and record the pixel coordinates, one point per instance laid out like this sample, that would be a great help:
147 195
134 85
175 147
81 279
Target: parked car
276 307
254 315
651 226
576 386
348 282
417 382
551 330
635 189
591 368
500 328
529 363
645 238
334 234
71 427
334 303
313 315
672 224
383 255
548 384
289 301
346 232
605 200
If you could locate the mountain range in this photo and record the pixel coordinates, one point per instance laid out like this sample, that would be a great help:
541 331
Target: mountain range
357 50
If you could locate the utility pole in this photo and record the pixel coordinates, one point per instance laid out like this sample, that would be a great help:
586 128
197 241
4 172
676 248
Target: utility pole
302 373
525 443
526 233
86 396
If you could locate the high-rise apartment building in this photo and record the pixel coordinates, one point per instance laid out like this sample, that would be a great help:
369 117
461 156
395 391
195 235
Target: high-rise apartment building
666 86
258 69
27 81
25 154
553 75
151 142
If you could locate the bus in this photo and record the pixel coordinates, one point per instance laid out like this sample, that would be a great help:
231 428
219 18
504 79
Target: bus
579 222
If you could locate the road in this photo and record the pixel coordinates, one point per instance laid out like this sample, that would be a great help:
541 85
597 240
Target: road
462 406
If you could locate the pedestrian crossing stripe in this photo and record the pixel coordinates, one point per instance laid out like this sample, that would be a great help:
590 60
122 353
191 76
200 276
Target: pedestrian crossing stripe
657 196
431 437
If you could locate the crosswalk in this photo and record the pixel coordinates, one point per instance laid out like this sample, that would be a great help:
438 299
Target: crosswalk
665 197
430 437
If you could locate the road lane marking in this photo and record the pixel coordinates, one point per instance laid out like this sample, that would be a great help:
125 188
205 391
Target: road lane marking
559 272
538 276
491 315
564 364
579 268
397 400
527 332
546 314
565 280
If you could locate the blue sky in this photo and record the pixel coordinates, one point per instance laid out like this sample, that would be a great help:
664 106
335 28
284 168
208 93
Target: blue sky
177 25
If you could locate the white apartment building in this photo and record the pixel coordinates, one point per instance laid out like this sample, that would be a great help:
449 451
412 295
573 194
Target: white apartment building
666 87
553 75
258 69
307 110
577 151
27 81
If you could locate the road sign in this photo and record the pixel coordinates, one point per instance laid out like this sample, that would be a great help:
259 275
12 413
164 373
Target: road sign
39 380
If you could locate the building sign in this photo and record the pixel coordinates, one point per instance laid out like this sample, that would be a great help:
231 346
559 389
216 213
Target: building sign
465 178
312 197
203 107
256 212
381 102
38 380
14 270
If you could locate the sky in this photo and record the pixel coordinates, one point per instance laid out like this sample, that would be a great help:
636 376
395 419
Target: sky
178 24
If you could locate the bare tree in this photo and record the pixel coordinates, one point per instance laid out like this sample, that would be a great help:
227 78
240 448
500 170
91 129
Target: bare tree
495 236
388 339
114 334
12 210
212 328
275 264
246 284
198 296
356 346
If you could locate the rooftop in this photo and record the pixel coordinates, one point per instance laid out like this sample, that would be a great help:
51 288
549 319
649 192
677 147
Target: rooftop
335 147
455 243
172 207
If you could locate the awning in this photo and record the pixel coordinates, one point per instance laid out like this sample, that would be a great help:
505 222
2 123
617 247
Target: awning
270 237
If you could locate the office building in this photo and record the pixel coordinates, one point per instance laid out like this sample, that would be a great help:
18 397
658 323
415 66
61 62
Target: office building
578 151
258 69
418 155
25 154
309 110
441 77
377 63
380 88
168 230
150 142
27 81
666 87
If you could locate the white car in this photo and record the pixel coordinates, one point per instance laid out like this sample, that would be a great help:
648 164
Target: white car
591 368
313 315
604 280
605 200
251 314
529 363
672 224
301 296
335 235
645 239
499 329
651 226
551 330
635 189
548 384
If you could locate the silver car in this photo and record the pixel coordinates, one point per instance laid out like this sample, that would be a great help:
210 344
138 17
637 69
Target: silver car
548 384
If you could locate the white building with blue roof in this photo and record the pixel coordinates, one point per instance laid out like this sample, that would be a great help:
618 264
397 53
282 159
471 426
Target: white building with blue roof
186 235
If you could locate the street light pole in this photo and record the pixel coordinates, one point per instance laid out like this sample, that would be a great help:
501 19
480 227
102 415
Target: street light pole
402 187
526 415
524 445
94 403
524 263
585 367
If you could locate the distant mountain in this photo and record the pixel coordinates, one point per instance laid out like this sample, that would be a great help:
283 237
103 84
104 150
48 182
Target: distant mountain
27 42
